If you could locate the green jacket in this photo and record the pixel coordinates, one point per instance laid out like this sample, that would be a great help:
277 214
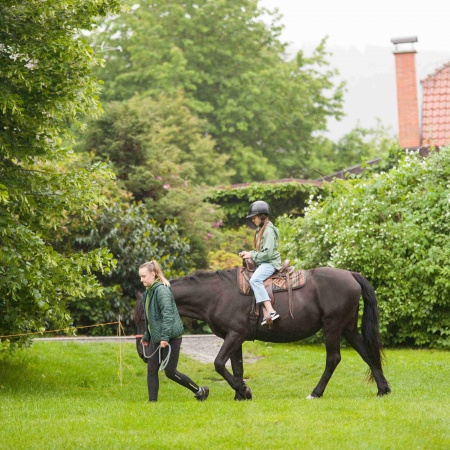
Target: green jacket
269 247
162 321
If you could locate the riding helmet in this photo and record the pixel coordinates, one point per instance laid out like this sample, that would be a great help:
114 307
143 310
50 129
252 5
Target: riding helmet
258 207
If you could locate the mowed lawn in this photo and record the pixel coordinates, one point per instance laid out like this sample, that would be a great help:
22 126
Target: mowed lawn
67 395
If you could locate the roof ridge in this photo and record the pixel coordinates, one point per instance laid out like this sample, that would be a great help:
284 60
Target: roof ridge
436 72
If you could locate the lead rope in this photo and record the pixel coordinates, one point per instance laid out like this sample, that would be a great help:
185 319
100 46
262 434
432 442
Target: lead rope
164 362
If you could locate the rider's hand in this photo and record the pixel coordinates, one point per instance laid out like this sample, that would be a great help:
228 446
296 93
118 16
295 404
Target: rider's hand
163 344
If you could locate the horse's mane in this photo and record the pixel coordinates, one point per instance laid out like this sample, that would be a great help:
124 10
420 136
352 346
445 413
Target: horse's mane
200 275
197 276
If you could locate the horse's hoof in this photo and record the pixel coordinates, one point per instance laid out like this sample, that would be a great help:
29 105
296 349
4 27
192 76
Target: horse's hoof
244 394
383 390
382 394
312 397
248 393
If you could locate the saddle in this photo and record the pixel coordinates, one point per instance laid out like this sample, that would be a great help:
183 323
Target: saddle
285 279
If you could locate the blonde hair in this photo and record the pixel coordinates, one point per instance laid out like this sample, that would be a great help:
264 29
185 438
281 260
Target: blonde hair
153 266
257 243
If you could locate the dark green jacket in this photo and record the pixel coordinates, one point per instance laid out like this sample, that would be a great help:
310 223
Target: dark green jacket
162 321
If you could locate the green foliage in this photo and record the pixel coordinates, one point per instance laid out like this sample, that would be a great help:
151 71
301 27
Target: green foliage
223 260
228 61
225 246
231 240
196 220
161 156
358 146
46 84
133 238
46 72
394 228
284 197
90 312
36 280
153 144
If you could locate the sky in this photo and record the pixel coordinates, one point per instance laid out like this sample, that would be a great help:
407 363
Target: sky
360 23
359 40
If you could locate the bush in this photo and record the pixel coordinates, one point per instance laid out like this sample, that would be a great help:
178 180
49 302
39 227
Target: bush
394 228
133 238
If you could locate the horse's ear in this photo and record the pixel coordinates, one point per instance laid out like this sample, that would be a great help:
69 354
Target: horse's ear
138 295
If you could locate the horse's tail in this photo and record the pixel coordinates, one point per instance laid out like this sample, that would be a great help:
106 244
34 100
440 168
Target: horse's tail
370 327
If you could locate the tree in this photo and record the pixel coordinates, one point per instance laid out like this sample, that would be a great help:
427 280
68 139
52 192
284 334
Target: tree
125 228
46 84
259 108
394 228
152 144
160 155
358 146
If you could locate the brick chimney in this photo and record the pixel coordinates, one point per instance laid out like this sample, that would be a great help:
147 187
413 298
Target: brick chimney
407 101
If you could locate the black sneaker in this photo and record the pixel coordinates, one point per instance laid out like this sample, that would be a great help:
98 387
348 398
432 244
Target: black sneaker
273 315
202 393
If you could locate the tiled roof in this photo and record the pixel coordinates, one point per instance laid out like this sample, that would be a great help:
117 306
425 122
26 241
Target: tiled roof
436 108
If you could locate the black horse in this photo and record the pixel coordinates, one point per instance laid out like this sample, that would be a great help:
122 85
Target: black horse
329 300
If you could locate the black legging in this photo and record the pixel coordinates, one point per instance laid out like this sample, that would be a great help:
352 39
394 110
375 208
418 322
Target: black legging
170 370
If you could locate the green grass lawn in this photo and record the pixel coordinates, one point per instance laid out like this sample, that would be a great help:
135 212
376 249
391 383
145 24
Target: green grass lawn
66 395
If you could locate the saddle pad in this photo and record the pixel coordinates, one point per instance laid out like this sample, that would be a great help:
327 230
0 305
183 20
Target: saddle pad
297 279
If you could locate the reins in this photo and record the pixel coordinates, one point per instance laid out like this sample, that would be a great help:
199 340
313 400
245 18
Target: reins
164 362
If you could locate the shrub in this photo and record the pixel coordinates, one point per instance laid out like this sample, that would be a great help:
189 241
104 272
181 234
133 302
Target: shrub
394 228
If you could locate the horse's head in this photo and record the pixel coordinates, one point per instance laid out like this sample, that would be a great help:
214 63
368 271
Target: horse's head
139 320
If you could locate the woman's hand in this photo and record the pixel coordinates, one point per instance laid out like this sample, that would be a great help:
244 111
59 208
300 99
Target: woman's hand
163 344
245 255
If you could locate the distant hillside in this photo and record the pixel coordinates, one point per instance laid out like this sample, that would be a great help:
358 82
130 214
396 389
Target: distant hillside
371 84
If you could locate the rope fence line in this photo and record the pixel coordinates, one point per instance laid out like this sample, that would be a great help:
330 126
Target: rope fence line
63 329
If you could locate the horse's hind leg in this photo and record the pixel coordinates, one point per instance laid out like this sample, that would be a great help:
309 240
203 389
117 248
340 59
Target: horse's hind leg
357 342
332 344
238 371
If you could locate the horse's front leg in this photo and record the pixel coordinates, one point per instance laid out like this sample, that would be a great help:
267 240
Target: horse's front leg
231 344
238 371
